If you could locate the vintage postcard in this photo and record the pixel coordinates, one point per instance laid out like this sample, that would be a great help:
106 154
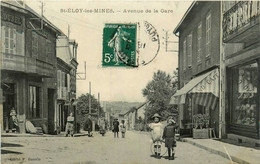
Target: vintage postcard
130 82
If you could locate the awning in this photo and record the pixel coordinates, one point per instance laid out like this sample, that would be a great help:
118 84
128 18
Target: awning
205 99
206 83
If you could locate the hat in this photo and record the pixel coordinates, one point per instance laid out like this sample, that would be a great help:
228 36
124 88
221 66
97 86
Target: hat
172 121
156 115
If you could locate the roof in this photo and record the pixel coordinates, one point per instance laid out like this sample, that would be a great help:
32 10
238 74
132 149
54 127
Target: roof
184 17
132 109
22 6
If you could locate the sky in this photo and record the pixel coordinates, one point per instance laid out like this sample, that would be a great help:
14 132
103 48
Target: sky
115 84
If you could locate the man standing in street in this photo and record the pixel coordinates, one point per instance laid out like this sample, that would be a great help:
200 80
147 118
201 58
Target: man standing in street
115 127
88 125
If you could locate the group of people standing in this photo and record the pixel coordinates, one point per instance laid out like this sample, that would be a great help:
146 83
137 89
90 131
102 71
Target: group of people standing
116 126
163 133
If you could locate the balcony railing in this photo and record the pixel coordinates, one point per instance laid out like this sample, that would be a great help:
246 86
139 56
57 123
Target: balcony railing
241 15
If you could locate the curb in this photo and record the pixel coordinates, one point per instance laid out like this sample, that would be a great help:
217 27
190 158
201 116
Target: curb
217 152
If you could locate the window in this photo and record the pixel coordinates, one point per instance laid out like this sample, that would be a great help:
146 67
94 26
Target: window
35 44
189 52
184 54
199 42
244 94
9 40
208 35
34 101
49 50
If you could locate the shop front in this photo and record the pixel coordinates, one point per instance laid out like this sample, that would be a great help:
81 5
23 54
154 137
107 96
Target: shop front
243 99
198 97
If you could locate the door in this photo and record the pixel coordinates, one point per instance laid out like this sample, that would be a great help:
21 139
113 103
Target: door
8 103
51 111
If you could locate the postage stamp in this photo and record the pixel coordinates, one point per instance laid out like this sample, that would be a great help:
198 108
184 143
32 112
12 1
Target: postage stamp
119 45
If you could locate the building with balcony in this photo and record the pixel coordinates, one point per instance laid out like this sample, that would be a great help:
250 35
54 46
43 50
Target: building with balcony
28 75
199 60
241 37
66 81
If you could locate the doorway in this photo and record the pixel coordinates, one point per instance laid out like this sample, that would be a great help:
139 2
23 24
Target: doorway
51 111
8 103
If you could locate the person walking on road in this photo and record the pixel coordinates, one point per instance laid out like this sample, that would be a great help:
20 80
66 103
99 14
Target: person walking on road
70 125
169 136
115 127
123 128
156 134
88 125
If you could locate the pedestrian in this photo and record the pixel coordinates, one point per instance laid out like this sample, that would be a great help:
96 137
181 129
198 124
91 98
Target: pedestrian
70 125
156 134
115 127
169 136
88 126
13 121
123 128
102 126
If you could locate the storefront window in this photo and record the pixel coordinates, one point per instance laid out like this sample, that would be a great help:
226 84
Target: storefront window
244 94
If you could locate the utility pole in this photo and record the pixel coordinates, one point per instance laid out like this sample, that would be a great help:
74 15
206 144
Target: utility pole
167 42
42 15
1 91
89 98
222 80
68 31
99 103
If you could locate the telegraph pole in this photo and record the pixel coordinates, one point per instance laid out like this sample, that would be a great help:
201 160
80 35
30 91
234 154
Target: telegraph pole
1 91
42 16
222 78
98 106
89 98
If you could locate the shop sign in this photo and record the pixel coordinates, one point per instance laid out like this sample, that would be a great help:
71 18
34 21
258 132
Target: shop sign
11 18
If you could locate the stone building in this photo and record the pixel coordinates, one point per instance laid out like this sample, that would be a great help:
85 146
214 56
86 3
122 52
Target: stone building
28 77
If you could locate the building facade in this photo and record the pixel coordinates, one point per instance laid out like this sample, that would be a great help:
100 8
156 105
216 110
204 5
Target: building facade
242 56
66 81
199 60
28 67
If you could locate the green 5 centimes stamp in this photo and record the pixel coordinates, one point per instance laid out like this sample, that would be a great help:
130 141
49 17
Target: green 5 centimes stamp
119 45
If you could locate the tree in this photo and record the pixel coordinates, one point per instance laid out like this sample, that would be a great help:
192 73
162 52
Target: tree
83 107
158 93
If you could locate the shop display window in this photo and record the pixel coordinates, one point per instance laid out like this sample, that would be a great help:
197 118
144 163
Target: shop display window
244 94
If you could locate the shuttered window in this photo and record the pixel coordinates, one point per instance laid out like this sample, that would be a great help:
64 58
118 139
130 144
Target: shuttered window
208 35
184 54
199 39
189 51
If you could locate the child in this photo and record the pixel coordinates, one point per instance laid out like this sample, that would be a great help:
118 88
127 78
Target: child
157 130
169 136
70 125
123 128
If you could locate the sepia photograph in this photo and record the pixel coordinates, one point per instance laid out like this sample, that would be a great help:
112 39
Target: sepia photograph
130 82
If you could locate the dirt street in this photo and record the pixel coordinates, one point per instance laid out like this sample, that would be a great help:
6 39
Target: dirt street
134 149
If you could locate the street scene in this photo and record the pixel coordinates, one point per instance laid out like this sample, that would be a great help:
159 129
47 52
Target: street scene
130 82
135 148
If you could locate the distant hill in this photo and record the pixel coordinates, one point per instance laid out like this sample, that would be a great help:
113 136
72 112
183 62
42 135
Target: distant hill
121 107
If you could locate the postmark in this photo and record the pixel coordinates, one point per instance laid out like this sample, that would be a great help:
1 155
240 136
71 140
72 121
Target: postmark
129 45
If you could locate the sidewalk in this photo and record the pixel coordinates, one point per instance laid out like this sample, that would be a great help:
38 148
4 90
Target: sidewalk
62 134
239 154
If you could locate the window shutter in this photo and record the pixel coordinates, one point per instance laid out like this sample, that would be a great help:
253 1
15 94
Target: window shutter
68 82
14 41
